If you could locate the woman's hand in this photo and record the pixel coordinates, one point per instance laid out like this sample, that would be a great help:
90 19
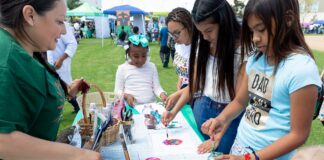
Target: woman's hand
77 86
212 126
167 117
88 155
129 99
171 100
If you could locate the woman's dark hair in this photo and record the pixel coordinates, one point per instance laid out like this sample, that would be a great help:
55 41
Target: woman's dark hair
11 16
287 36
228 37
51 70
183 16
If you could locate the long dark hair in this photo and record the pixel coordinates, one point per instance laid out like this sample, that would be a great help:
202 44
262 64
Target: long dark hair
11 17
287 36
228 38
182 16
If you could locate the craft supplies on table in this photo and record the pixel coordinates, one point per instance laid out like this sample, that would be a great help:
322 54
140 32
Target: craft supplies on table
149 142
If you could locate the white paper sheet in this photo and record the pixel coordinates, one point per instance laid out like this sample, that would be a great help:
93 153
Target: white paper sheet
149 142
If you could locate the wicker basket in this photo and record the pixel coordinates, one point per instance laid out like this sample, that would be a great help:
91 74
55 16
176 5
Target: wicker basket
86 128
110 134
94 97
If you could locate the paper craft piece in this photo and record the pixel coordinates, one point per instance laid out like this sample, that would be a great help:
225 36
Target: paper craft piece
172 141
152 158
174 124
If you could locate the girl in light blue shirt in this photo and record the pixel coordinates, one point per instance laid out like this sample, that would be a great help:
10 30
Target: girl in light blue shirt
280 85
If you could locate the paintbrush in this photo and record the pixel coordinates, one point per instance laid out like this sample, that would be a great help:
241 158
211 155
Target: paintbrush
166 130
213 143
122 140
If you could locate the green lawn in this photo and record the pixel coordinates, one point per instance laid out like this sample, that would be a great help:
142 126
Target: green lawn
98 65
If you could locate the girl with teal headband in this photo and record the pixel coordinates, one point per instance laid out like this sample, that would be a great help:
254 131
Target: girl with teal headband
137 79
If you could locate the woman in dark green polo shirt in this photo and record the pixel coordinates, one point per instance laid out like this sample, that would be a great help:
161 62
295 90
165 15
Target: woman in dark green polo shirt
32 95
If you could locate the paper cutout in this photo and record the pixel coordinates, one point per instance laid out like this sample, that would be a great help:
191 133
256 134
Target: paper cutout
172 141
174 124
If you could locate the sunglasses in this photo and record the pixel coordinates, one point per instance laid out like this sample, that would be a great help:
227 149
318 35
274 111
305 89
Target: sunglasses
138 39
176 34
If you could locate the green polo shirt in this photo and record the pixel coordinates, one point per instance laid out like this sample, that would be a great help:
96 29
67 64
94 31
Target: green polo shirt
31 99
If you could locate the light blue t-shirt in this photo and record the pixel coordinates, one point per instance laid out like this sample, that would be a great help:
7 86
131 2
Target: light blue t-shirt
267 117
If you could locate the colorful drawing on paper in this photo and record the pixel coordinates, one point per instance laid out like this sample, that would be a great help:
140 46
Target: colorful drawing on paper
152 158
172 141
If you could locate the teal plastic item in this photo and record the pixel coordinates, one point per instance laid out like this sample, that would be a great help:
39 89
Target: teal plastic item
138 39
189 116
128 107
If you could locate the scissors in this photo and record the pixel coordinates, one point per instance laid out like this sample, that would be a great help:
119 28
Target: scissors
126 114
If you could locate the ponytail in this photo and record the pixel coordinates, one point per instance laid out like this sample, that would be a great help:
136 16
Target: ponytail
42 60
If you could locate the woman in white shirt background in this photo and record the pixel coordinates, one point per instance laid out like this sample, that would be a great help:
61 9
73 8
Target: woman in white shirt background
61 57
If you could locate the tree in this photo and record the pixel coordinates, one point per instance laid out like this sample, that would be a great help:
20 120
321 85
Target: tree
71 4
306 7
238 8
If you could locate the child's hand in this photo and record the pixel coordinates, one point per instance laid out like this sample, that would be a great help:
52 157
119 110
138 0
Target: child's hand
212 126
229 157
163 97
129 99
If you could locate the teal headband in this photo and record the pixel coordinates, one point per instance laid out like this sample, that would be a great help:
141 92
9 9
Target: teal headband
138 39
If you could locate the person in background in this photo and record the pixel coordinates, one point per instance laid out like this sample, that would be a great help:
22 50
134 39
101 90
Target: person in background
77 32
171 45
164 49
32 94
135 30
137 79
61 57
122 36
214 66
278 95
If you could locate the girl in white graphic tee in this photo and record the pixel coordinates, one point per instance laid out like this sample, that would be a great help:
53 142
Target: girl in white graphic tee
279 87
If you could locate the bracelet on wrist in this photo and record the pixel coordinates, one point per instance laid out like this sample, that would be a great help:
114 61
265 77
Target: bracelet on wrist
253 152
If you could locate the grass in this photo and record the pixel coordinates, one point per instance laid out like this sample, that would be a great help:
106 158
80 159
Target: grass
98 65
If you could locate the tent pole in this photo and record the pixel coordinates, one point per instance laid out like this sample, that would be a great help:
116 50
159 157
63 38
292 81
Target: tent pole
143 22
102 38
